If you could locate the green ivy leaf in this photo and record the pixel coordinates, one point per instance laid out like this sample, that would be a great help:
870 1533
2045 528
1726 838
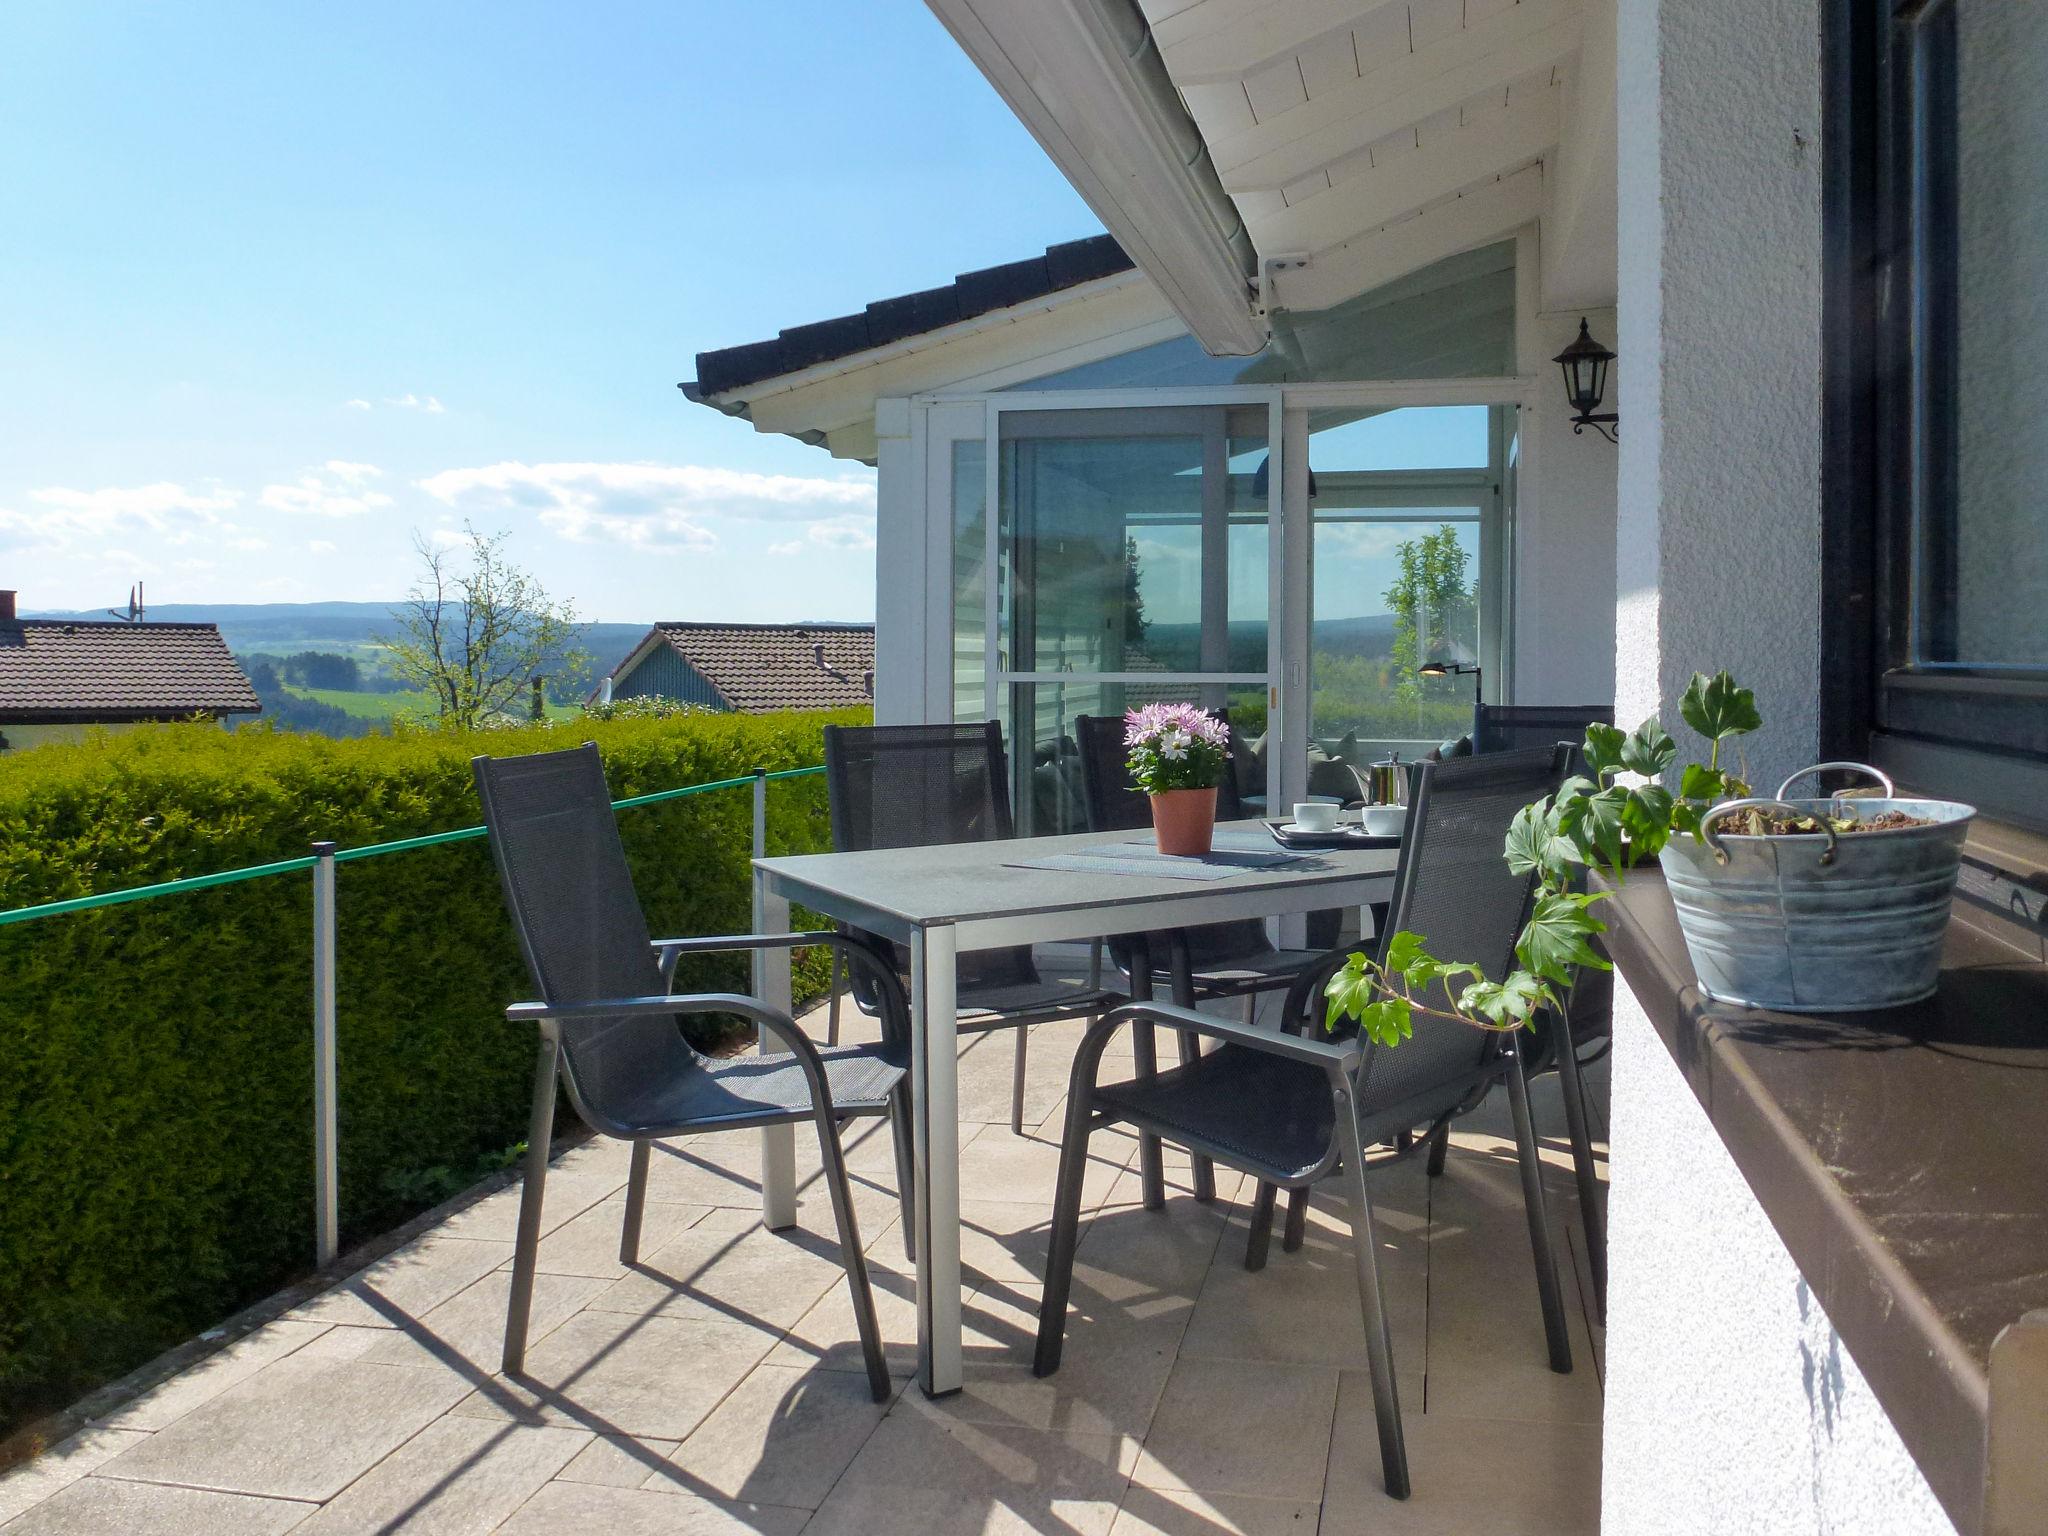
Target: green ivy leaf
1717 708
1535 846
1510 1002
1594 825
1646 818
1558 935
1387 1022
1648 750
1603 748
1700 782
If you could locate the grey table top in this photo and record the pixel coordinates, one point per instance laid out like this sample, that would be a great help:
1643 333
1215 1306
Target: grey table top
968 883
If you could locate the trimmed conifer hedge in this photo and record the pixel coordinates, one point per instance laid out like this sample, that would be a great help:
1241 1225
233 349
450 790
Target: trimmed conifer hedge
156 1058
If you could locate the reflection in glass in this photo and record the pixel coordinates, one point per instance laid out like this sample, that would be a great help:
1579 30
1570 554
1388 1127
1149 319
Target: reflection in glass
970 554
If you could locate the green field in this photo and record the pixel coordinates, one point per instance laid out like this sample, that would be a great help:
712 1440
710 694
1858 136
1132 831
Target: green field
383 706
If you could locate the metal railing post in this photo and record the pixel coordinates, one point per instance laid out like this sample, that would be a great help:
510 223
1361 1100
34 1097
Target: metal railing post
759 977
326 1177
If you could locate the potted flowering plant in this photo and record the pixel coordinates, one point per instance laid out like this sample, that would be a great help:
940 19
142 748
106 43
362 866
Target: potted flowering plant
1177 756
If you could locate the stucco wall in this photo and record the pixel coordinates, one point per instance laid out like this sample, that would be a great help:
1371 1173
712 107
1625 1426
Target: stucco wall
21 737
1731 1403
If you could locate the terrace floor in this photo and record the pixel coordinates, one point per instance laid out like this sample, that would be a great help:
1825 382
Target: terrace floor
716 1386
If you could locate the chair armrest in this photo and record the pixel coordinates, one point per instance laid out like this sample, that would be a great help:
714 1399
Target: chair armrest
1330 1055
1298 1007
895 1016
721 943
672 1004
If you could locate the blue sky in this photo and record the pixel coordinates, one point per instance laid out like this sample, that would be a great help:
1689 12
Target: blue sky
286 283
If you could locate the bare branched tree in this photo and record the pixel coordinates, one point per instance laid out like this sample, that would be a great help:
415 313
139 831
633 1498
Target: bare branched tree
475 628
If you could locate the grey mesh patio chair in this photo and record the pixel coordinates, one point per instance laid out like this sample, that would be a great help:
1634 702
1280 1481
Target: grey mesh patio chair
918 786
1290 1109
1526 727
609 1024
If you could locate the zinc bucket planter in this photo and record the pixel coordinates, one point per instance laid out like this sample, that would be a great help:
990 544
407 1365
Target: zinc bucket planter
1819 922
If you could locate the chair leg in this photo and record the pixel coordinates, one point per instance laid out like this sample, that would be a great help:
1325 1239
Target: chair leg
832 1001
1591 1218
902 1132
1372 1296
540 1128
851 1256
1066 1228
1297 1220
636 1203
1439 1149
1261 1239
1191 1050
1145 1062
1023 1034
1547 1288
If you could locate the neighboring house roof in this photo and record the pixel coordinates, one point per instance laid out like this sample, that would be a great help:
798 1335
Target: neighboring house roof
55 671
911 314
757 668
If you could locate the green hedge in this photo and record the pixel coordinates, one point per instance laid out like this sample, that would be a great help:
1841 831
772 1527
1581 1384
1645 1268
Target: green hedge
155 1058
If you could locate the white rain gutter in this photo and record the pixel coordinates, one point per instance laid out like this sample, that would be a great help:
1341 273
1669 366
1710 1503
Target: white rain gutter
1086 78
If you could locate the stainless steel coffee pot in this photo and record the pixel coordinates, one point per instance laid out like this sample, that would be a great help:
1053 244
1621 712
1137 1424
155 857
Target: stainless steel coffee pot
1388 781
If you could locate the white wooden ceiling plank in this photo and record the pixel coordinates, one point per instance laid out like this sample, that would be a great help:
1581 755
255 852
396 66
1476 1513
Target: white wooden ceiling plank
1329 65
1304 189
1381 40
1255 37
1482 215
1408 183
1276 89
1478 10
1531 35
1431 21
1219 110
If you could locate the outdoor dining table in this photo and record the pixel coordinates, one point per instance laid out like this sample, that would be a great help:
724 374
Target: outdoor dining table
941 901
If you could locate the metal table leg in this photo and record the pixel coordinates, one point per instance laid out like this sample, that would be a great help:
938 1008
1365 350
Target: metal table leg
771 985
935 1091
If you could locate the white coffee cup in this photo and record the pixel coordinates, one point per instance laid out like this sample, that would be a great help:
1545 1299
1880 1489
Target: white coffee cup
1316 816
1383 820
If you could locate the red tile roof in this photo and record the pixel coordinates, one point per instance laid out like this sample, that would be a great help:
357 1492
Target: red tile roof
60 670
758 668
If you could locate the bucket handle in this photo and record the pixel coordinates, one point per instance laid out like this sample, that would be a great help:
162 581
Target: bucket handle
1891 790
1730 807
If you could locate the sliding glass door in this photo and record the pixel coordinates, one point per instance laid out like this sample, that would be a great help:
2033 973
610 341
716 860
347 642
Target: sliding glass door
1133 552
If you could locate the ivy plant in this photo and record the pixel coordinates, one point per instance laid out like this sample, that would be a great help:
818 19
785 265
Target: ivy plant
1615 814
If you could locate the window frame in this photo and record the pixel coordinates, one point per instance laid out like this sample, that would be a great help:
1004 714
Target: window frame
1978 733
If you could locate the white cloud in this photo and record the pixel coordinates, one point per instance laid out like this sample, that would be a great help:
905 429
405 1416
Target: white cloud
355 405
658 506
59 516
338 488
321 547
847 533
411 402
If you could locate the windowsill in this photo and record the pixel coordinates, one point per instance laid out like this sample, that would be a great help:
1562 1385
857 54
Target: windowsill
1899 1157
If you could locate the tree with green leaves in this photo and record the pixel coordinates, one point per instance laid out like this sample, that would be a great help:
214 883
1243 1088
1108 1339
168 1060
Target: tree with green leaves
1431 601
475 629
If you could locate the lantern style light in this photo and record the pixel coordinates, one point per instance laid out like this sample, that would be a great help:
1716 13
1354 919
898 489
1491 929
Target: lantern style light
1585 384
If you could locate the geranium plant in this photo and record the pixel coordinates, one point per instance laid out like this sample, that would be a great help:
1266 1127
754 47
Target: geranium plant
1619 815
1175 746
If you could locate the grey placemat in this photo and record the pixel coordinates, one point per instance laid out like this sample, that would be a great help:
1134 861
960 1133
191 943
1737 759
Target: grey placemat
1144 859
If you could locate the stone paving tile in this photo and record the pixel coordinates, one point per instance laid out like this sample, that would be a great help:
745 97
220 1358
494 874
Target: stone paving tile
618 1374
1467 1475
214 1375
588 1243
495 1218
924 1471
1004 1241
827 1338
999 1166
1241 1426
617 1461
416 1278
300 1428
766 1279
563 1507
60 1466
1180 1512
455 1476
468 1329
782 1437
104 1506
709 1170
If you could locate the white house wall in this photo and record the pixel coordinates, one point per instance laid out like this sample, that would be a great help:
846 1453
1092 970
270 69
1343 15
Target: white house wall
1731 1404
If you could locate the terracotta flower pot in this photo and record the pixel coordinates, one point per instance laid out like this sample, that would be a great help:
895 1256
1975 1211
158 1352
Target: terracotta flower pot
1185 820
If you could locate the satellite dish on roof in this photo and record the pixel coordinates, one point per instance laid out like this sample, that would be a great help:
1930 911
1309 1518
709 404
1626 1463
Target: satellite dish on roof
133 613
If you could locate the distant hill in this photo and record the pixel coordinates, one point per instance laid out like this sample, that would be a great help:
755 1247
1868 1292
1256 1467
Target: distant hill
278 629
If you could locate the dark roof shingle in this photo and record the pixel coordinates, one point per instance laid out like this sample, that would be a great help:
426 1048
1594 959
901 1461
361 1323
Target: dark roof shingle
910 314
757 668
58 670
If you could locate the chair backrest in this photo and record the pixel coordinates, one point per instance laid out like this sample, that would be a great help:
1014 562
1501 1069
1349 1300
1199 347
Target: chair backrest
919 786
1114 804
1455 890
916 786
1515 727
556 841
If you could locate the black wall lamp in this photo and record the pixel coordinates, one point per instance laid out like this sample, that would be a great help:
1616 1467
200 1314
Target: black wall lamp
1454 669
1585 383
